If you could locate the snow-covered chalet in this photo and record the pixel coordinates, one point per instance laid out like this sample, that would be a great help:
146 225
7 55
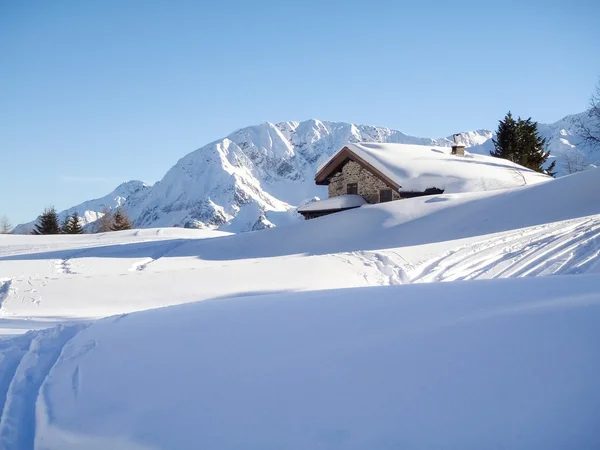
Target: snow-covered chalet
367 173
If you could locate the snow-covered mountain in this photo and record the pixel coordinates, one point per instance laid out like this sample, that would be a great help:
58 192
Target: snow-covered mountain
255 177
92 210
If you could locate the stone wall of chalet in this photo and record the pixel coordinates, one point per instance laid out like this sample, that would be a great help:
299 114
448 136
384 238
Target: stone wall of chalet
368 184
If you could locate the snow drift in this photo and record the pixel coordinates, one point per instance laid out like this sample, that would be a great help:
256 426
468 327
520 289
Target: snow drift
418 221
508 363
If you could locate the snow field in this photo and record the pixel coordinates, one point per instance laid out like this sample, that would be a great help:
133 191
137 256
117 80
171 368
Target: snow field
278 355
510 363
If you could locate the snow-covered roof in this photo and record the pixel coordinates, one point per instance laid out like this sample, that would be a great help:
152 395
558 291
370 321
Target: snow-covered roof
333 203
418 167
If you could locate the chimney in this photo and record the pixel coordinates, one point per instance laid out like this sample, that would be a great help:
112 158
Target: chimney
458 148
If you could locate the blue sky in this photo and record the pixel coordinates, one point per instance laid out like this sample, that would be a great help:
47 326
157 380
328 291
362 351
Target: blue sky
95 93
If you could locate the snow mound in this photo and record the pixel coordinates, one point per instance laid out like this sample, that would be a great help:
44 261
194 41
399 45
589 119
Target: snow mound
509 363
418 221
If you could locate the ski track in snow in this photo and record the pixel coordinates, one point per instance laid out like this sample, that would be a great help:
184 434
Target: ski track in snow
141 265
571 247
379 268
26 363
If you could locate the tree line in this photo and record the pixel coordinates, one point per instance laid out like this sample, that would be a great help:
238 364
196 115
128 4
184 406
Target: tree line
48 223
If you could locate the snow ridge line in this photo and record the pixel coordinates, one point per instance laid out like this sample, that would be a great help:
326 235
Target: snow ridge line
18 420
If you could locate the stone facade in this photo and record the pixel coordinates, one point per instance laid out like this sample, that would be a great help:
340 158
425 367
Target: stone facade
368 184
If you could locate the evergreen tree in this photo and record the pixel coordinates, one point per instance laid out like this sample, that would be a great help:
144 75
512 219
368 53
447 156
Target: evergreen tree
121 221
532 147
65 228
72 224
506 142
519 142
47 223
76 227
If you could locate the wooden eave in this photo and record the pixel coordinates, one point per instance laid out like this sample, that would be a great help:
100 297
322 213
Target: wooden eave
327 211
322 177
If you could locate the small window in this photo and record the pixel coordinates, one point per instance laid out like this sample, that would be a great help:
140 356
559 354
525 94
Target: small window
385 195
352 188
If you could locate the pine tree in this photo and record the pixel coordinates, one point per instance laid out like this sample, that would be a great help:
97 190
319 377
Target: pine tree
506 142
47 223
65 228
519 142
72 224
76 227
532 147
121 221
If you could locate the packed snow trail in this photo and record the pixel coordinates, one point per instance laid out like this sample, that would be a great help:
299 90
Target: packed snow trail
31 366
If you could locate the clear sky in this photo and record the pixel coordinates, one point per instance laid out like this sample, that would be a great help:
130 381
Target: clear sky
93 93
